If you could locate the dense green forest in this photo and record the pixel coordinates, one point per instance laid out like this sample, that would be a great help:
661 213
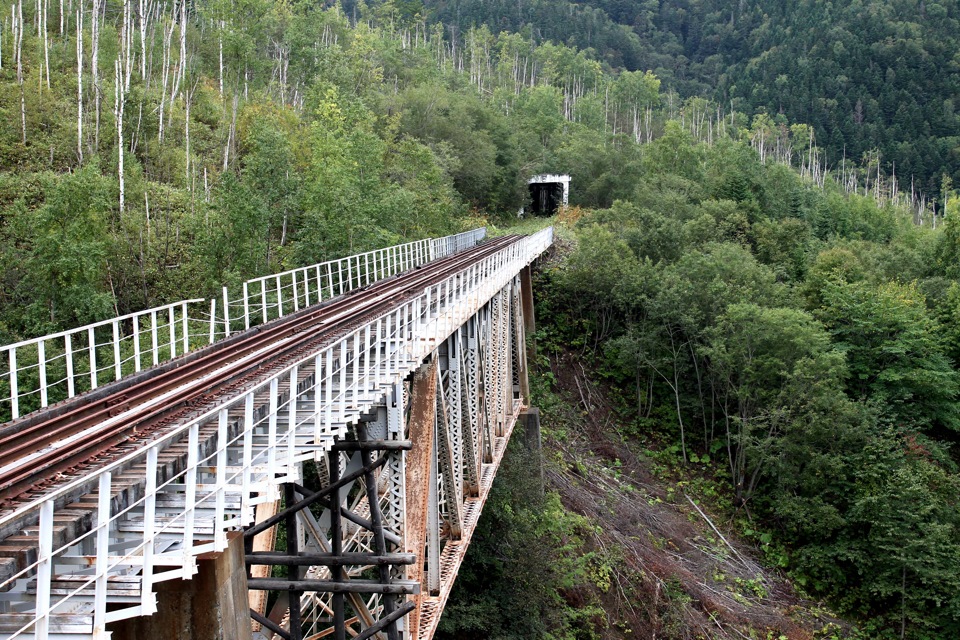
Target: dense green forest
262 135
877 80
803 341
793 322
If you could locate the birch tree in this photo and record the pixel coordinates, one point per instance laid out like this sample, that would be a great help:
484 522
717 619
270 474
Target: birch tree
123 69
18 49
80 84
95 70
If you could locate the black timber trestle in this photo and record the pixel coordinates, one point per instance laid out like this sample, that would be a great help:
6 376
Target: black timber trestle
297 499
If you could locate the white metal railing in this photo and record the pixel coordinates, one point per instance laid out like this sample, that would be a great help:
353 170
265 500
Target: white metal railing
231 460
42 371
38 372
266 298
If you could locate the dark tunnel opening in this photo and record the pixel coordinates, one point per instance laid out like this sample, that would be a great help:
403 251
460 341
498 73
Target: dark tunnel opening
545 198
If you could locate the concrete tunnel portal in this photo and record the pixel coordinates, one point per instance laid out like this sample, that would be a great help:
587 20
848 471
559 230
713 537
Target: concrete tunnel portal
548 193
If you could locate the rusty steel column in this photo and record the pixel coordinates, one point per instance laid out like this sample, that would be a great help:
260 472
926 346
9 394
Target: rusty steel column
526 297
262 542
529 349
423 407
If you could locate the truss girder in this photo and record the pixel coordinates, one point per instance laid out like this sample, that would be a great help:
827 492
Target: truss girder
428 390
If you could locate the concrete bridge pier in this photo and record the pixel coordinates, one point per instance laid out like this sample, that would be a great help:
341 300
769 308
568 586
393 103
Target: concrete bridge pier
211 606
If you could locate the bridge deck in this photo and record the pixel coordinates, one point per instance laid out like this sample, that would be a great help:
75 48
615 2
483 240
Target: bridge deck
195 447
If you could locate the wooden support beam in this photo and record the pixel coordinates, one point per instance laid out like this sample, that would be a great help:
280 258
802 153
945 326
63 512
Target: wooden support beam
382 623
270 624
350 515
306 502
398 587
329 560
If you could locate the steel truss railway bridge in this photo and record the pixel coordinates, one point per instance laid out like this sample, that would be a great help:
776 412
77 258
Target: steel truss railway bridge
306 456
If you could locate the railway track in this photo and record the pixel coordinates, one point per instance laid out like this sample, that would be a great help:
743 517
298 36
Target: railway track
42 450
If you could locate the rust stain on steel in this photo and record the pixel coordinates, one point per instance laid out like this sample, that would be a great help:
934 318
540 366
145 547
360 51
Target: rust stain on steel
446 466
262 542
423 405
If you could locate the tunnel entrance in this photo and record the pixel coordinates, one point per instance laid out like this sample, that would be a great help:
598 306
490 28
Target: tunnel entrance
548 193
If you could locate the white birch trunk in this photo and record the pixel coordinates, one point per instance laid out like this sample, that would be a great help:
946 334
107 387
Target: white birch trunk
95 70
221 57
118 113
46 41
18 40
188 96
144 9
80 84
165 78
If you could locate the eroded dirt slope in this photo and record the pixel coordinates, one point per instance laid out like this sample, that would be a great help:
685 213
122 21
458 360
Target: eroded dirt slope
675 570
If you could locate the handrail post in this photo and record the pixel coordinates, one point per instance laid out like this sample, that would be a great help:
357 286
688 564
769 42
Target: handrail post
263 300
190 499
117 365
173 332
136 346
68 358
272 428
92 346
296 300
186 327
246 512
149 524
213 320
246 306
292 425
226 313
103 553
42 371
14 391
223 437
279 298
44 570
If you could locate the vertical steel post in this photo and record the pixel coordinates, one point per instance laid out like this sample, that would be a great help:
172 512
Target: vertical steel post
42 371
103 553
149 523
44 569
68 357
117 365
14 392
92 348
246 306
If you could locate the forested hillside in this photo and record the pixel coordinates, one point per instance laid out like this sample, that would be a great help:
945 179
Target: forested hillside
156 150
792 324
804 344
877 80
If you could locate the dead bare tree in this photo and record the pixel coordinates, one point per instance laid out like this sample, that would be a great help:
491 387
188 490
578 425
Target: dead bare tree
165 75
80 84
46 42
95 70
123 69
18 42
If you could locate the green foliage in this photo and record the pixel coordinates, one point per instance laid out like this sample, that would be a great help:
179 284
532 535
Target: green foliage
803 338
867 77
533 550
895 352
809 346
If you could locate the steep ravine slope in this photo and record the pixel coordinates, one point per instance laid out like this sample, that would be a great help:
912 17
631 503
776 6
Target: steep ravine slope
676 571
